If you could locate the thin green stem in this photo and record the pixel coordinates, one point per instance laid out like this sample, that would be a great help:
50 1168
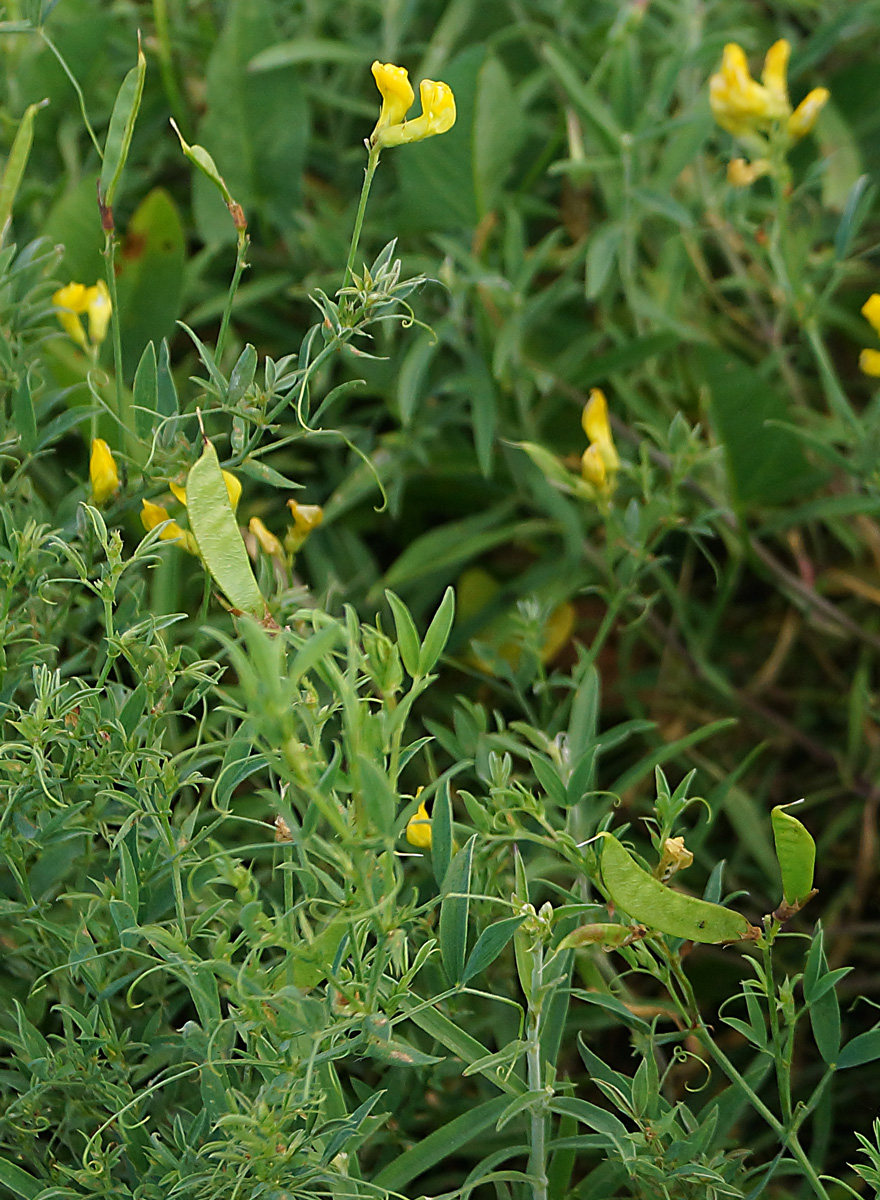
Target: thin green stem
240 264
838 401
372 163
783 1068
82 102
538 1125
110 267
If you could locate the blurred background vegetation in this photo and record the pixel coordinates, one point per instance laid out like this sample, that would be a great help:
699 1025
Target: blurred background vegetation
577 230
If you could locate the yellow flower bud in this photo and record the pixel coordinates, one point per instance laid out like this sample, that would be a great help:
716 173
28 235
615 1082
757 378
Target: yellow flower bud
154 514
99 311
397 94
102 472
267 540
593 467
869 362
418 828
597 427
805 116
775 74
306 517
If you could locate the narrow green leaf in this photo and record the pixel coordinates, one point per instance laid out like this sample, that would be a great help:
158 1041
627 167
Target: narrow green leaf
438 633
489 945
23 414
119 133
380 800
13 172
407 634
19 1182
465 1047
590 1115
444 1142
441 832
454 912
862 1049
146 392
825 1021
216 531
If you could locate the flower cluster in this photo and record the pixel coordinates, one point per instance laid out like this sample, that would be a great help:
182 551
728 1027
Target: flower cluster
76 301
156 514
600 461
758 112
392 128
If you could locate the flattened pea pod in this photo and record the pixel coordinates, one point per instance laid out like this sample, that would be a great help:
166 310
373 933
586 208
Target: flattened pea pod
796 852
213 522
659 907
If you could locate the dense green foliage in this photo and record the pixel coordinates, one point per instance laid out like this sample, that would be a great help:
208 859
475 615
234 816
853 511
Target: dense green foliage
231 967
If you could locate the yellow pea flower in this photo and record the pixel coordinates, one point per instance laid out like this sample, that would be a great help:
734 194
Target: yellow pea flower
306 517
438 108
266 538
154 514
597 427
75 301
233 490
418 827
738 102
102 472
397 94
869 360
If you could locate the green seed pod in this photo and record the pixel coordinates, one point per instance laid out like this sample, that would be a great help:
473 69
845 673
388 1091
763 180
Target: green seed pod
216 531
659 907
607 935
796 852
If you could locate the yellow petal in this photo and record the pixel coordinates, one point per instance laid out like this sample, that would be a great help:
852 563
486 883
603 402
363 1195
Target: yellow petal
597 427
437 116
102 472
70 301
805 116
154 514
233 490
869 362
871 311
775 75
267 540
557 631
178 493
418 829
397 94
99 310
593 468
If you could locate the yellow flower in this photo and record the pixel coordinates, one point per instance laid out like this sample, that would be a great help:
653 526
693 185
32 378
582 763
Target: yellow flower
267 539
102 472
805 116
869 360
738 102
438 108
306 517
233 490
397 94
418 827
597 427
155 514
75 301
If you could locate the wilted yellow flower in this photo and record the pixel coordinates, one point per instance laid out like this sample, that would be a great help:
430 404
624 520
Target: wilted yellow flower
418 827
397 94
75 301
742 174
233 490
438 108
675 857
102 472
306 517
154 514
869 360
265 537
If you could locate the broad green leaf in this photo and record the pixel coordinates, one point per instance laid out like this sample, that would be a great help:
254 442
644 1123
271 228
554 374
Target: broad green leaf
407 634
150 283
146 393
497 133
255 128
23 414
19 1182
767 464
215 529
862 1049
438 633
